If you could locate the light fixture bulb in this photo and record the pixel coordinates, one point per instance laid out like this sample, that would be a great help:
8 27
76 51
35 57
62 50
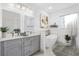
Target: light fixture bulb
18 6
23 7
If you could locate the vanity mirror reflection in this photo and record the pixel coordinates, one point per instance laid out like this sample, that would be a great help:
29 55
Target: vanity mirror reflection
11 20
16 20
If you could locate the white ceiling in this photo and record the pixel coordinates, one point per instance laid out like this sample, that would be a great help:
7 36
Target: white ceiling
36 7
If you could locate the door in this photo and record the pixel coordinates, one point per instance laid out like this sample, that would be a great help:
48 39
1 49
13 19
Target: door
27 46
13 47
35 43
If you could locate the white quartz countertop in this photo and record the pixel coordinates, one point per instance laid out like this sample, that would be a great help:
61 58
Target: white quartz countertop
17 37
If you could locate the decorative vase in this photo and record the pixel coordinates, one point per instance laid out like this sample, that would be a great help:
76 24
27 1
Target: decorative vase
3 35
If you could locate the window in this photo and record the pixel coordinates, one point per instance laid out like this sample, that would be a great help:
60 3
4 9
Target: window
70 18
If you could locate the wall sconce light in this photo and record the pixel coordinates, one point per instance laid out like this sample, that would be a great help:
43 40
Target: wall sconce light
23 8
18 6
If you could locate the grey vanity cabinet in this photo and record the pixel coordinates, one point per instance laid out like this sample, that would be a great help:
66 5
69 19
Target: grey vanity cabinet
20 47
0 48
13 47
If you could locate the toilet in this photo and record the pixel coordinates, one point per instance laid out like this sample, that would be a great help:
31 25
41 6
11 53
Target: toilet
49 44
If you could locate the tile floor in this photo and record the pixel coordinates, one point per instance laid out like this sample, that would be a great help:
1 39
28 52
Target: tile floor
43 54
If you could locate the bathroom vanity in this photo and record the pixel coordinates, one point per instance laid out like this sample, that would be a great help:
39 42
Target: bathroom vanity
0 48
20 46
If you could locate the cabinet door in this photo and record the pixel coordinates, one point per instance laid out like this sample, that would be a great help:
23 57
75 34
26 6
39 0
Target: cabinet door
12 47
35 43
0 48
27 46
